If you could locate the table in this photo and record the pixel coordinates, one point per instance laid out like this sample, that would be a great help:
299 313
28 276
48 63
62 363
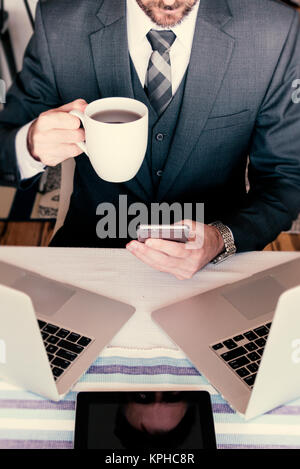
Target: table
140 354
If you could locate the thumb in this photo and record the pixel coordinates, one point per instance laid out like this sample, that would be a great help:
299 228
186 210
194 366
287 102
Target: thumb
78 104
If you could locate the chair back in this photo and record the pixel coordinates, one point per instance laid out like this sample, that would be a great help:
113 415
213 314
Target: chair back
66 190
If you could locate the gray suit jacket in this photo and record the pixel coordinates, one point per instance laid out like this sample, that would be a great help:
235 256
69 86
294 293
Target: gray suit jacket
237 102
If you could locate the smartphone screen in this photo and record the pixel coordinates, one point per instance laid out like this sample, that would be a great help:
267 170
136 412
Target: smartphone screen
144 420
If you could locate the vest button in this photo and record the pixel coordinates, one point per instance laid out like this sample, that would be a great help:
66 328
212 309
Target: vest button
159 173
160 137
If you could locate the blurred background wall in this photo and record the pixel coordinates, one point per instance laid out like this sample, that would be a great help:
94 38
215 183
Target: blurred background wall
20 30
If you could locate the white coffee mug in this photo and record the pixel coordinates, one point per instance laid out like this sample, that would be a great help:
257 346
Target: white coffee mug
116 151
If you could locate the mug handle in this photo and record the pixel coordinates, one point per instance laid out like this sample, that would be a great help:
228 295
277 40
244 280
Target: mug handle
80 115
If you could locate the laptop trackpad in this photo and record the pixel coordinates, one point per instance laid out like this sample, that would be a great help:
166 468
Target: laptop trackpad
46 295
255 298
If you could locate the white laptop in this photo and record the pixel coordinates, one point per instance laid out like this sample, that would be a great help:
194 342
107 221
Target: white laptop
51 332
244 337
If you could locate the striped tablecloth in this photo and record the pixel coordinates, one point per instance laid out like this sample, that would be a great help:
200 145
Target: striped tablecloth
140 355
29 421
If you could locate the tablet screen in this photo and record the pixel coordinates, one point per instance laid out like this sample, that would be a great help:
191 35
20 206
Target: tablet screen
144 420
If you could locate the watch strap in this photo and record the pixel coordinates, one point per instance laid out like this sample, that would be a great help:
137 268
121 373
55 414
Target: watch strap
228 239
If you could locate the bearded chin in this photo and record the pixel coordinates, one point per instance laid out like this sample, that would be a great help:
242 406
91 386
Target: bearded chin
164 20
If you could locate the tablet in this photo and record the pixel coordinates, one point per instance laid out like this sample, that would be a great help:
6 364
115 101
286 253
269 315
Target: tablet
144 420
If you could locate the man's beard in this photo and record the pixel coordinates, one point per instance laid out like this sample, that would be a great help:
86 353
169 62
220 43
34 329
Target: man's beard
148 10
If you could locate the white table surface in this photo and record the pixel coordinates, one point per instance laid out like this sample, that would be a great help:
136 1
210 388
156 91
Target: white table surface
118 274
140 354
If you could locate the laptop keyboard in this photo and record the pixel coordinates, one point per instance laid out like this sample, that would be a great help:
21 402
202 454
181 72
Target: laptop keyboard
63 346
243 352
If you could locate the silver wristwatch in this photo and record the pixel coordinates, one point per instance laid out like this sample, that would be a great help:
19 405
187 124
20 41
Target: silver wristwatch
227 236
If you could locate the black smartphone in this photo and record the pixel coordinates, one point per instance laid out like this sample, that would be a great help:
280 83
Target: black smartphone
142 421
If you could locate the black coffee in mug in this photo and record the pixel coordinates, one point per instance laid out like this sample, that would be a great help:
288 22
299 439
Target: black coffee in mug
116 116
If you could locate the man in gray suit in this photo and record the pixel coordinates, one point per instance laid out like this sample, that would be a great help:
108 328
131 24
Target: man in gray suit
228 68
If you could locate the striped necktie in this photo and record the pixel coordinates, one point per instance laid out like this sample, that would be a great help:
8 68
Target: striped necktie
158 79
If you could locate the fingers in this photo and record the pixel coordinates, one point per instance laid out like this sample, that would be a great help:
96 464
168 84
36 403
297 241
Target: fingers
78 104
196 234
171 248
190 223
57 120
60 136
179 267
156 259
52 155
53 136
60 118
66 150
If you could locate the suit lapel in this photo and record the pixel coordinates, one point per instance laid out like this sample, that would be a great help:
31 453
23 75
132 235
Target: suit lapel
210 57
112 67
110 51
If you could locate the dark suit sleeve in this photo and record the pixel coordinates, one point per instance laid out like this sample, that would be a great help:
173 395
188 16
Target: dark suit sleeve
273 201
33 92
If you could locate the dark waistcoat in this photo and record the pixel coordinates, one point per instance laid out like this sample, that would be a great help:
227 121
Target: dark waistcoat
161 129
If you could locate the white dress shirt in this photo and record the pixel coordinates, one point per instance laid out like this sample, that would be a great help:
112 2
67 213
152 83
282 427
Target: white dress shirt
28 166
138 26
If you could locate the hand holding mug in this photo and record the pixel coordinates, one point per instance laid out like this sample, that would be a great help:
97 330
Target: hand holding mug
116 148
116 131
54 136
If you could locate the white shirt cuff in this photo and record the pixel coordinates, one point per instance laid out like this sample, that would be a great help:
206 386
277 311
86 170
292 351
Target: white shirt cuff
28 166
